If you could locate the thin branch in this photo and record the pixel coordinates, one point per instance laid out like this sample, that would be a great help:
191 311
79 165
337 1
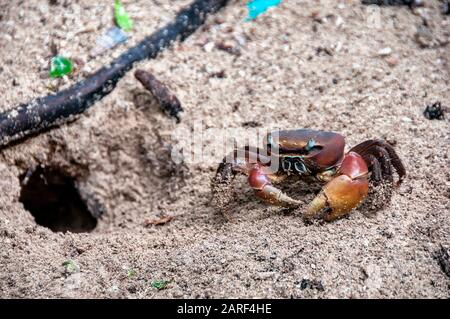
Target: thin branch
166 99
52 110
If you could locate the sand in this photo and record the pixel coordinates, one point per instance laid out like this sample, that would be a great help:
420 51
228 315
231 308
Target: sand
303 64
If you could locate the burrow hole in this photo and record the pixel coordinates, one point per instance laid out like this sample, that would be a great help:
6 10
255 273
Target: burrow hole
53 199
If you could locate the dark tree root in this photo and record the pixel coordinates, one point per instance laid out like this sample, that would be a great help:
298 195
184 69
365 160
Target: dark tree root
52 110
410 3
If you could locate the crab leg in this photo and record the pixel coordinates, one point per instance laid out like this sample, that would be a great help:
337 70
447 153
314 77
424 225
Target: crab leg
261 182
344 192
260 178
235 163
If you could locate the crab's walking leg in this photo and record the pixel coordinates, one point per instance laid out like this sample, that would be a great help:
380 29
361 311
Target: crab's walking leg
344 192
238 162
379 150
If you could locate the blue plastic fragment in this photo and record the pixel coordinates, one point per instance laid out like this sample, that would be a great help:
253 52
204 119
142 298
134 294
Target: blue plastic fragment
257 7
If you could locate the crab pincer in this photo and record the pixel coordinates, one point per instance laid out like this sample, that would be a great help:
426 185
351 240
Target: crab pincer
344 192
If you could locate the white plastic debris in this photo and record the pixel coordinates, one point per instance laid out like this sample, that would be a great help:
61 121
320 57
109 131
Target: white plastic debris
114 36
385 51
208 47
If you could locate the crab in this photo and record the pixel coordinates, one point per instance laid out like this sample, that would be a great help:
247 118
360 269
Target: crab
311 154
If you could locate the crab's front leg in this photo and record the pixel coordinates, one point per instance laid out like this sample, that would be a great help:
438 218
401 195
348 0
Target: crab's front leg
253 164
261 182
344 192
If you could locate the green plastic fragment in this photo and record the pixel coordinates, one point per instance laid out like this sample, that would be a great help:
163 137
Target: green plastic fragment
71 266
160 284
131 273
60 66
122 18
257 7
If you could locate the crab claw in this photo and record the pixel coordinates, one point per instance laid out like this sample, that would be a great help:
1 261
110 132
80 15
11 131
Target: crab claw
261 182
343 193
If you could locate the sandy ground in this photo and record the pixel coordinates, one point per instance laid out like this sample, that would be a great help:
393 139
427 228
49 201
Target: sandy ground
310 64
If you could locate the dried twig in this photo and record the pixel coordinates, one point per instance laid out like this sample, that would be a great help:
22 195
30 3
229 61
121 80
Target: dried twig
159 221
410 3
166 99
46 112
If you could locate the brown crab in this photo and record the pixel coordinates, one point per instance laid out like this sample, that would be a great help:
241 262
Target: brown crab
317 154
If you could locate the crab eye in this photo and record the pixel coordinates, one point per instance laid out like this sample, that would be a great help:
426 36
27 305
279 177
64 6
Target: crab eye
310 145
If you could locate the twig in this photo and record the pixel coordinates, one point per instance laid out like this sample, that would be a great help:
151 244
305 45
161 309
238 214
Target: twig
166 99
158 221
410 3
46 112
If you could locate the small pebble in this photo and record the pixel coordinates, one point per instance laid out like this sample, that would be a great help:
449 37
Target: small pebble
228 46
208 47
391 60
406 119
240 39
424 37
434 111
385 51
113 289
311 284
339 21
